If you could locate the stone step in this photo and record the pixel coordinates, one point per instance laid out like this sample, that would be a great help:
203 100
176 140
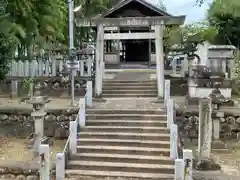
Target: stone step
120 87
126 111
123 142
127 116
118 174
122 122
128 91
125 136
134 129
123 158
120 166
129 82
105 95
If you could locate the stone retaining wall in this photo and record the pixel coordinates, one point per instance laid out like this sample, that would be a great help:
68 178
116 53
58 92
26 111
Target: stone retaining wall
188 126
18 122
19 171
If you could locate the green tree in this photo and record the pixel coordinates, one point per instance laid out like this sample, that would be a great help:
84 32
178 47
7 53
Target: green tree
33 24
225 15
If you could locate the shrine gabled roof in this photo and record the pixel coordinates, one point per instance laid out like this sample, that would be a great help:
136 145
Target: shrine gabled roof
123 3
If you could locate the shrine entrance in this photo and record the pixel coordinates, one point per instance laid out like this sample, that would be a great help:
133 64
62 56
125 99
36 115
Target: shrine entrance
130 27
136 51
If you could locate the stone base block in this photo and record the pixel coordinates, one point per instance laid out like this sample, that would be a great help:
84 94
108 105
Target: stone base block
99 99
207 165
218 145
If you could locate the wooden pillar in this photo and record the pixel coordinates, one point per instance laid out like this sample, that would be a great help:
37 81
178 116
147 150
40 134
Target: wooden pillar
99 59
118 48
149 50
160 59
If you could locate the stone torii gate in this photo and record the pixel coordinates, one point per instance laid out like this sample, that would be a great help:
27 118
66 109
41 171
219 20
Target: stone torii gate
157 23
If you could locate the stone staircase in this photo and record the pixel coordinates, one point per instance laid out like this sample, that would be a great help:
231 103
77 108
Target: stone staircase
123 88
125 143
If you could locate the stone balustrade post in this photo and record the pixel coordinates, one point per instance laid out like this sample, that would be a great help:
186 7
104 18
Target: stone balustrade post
216 125
188 163
44 162
174 142
89 93
170 113
167 88
82 112
14 88
205 128
174 67
60 166
179 169
73 137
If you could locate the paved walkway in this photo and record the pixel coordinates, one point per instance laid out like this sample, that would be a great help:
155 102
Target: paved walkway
55 103
128 103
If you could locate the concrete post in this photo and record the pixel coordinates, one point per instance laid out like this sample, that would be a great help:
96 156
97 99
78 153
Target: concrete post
82 112
216 129
60 166
170 115
205 128
174 142
188 162
174 66
14 88
45 162
179 169
73 137
167 86
184 66
89 93
99 59
54 66
159 59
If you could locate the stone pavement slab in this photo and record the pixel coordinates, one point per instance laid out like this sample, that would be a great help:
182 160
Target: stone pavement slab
55 103
128 103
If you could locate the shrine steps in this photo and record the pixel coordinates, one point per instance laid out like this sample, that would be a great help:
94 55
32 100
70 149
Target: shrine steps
116 88
127 143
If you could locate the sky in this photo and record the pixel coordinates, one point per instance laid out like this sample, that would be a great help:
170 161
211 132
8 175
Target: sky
185 7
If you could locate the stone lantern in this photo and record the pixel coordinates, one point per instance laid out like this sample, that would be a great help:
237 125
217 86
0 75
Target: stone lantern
39 113
72 66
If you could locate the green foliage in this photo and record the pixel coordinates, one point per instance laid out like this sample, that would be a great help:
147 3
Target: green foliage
7 48
188 34
28 84
225 15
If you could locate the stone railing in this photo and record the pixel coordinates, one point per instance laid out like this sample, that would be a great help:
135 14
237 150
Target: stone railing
183 167
50 67
71 144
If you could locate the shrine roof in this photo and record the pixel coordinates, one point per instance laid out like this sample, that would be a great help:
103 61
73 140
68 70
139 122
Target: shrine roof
123 3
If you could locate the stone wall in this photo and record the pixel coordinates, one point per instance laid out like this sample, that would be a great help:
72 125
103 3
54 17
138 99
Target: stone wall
19 171
18 122
188 126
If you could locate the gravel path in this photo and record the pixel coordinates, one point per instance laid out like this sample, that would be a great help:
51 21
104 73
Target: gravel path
15 150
